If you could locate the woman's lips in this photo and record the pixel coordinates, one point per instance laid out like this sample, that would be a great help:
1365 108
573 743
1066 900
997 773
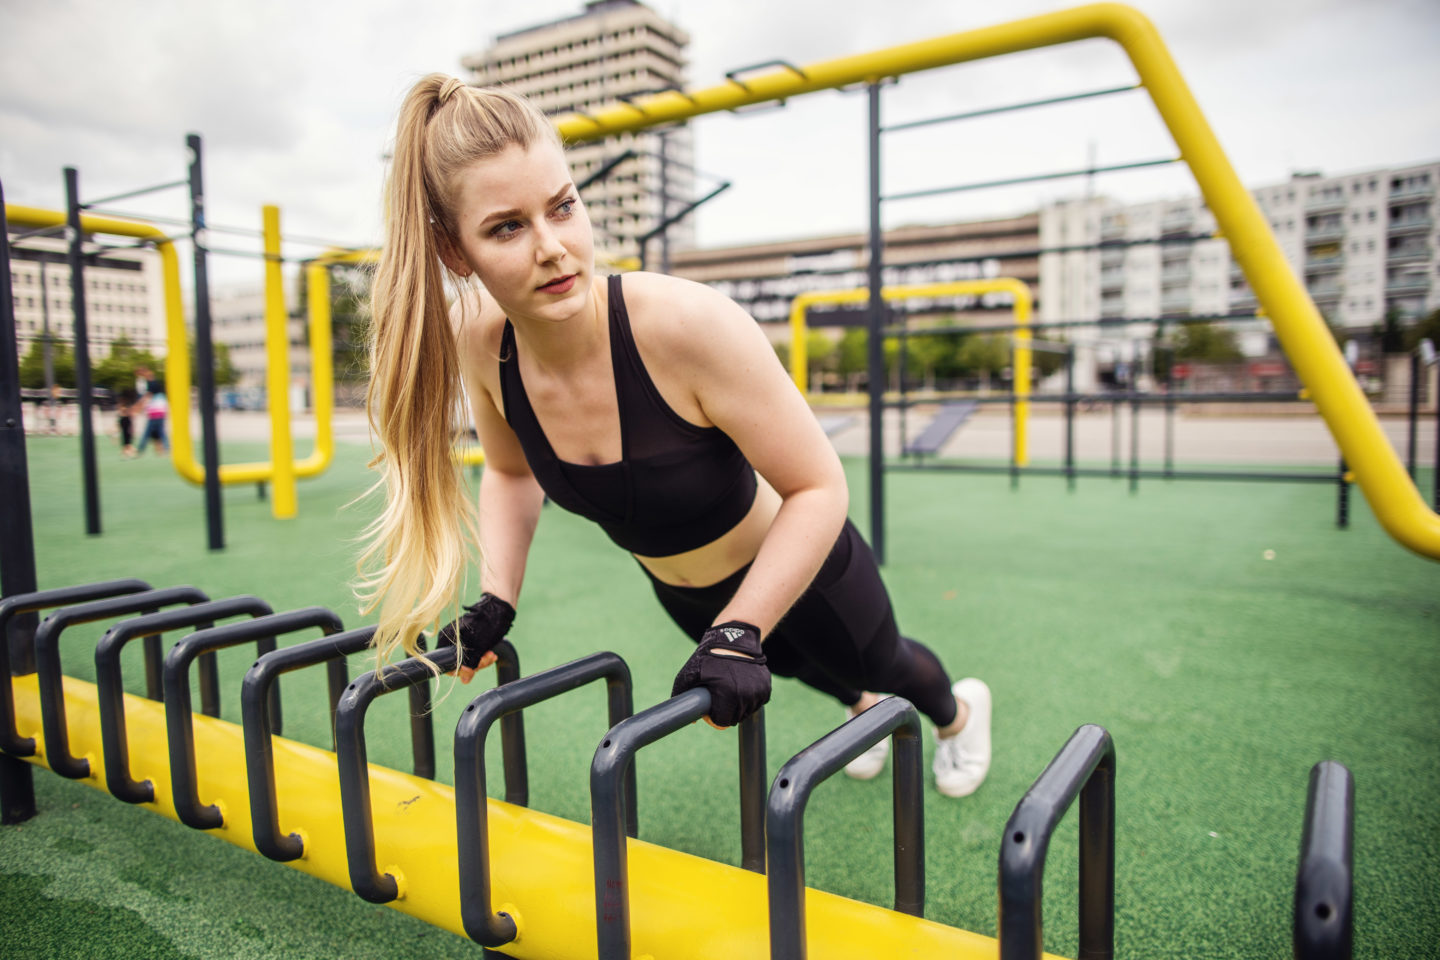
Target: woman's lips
558 285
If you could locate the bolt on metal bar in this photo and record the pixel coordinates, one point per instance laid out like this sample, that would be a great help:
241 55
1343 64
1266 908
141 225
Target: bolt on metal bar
47 662
1036 178
1084 768
989 111
471 806
110 687
1324 882
894 717
352 758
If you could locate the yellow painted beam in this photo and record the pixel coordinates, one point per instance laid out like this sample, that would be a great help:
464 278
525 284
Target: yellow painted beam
277 372
541 866
1312 351
799 355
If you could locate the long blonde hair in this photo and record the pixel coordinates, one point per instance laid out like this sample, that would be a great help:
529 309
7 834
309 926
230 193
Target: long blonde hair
418 549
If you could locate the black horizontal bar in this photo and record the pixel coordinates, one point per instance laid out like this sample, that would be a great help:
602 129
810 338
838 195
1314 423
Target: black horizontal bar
988 111
730 74
1111 472
135 193
605 170
1034 178
233 231
1118 397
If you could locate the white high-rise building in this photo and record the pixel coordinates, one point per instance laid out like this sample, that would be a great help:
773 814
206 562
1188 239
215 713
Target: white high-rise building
122 297
1364 243
612 50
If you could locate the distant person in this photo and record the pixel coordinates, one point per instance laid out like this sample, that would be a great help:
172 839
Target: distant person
125 407
156 408
651 405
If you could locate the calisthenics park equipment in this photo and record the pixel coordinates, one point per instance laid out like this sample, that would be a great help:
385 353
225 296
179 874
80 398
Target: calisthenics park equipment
630 898
1022 305
282 469
1310 348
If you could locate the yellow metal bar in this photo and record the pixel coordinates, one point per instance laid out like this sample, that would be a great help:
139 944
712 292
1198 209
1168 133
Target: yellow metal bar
177 357
541 869
1302 333
799 354
277 372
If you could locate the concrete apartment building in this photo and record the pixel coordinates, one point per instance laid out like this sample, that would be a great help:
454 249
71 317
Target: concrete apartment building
1364 243
612 50
123 296
237 319
764 278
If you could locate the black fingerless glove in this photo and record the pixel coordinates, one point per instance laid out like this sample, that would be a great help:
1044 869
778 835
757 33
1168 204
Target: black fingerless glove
738 685
483 625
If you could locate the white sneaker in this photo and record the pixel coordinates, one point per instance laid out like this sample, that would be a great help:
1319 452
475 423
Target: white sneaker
962 761
868 765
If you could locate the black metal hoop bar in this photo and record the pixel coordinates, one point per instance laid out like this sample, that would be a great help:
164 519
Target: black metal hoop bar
351 758
990 111
1324 884
135 193
179 728
610 774
47 662
471 809
331 650
1084 767
110 687
24 661
894 717
1147 474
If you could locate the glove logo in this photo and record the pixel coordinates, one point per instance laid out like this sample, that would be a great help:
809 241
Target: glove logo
732 634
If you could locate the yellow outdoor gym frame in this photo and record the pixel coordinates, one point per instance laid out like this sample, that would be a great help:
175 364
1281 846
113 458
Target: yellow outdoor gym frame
318 283
177 361
958 288
1303 335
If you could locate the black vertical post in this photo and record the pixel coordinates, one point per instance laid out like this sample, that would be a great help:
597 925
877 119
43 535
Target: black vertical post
1070 419
1435 471
875 345
1114 438
82 350
1414 418
1014 442
1342 497
17 538
204 351
1134 439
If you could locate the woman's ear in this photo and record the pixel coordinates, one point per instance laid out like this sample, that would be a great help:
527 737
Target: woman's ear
451 257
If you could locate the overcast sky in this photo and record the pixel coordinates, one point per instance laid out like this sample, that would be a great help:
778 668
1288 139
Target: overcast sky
296 101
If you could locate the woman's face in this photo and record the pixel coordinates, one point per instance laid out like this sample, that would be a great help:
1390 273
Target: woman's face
524 232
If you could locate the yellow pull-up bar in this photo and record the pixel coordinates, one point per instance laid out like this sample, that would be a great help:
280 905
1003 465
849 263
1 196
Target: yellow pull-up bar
799 359
1307 343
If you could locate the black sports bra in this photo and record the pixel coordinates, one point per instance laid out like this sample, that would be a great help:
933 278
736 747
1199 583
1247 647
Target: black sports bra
676 486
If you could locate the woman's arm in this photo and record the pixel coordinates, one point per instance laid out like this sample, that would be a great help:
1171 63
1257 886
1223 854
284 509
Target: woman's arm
510 498
742 388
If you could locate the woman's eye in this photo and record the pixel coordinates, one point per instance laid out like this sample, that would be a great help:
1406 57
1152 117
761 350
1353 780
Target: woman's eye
567 208
505 229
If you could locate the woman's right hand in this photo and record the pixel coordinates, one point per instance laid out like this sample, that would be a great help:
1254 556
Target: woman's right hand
476 632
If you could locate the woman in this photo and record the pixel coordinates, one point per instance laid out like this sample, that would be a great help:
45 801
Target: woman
650 404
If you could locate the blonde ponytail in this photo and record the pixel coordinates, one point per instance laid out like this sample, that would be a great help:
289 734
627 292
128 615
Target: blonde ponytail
418 549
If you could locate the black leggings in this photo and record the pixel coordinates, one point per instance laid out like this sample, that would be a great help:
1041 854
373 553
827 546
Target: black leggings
839 637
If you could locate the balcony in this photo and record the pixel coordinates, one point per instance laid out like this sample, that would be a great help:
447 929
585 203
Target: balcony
1177 226
1411 224
1112 308
1177 273
1321 292
1413 191
1407 283
1418 253
1327 232
1112 279
1320 204
1321 265
1174 301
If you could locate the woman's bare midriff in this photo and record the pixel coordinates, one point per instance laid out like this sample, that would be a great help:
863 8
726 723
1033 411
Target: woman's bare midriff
721 557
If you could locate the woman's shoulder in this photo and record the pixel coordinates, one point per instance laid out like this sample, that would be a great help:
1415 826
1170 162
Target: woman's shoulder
675 313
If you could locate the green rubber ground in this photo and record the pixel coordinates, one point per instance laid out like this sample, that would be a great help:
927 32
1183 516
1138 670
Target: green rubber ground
1222 675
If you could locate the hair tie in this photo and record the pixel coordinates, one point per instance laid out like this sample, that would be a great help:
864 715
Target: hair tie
448 89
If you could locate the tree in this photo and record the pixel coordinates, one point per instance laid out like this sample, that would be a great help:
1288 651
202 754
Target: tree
32 365
1427 329
1205 342
1392 338
225 372
117 371
984 354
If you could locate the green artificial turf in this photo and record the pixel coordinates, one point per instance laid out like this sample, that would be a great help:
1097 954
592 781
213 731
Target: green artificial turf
1222 671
